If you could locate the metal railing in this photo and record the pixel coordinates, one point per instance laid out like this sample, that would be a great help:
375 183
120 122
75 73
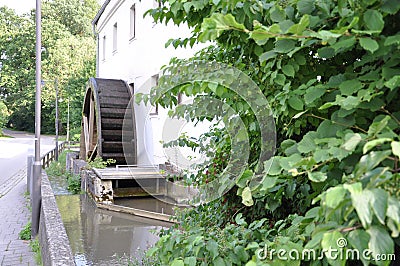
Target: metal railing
51 155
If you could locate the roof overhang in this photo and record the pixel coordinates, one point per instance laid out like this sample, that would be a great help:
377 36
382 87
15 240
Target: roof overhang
101 11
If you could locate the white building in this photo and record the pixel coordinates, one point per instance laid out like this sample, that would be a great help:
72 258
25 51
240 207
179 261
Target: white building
132 48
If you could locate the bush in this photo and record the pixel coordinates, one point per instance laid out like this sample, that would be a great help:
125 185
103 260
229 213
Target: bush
330 71
25 233
58 169
74 183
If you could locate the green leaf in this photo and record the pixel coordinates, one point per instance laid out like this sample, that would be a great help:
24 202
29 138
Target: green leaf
288 70
349 102
360 200
213 27
350 87
334 196
268 182
284 46
241 253
296 103
393 210
373 20
277 14
370 161
219 261
373 143
240 220
391 7
393 83
243 180
330 241
359 239
266 56
325 35
317 176
345 42
351 144
177 262
220 90
396 148
380 243
191 261
272 166
230 21
379 203
301 26
280 79
247 198
305 6
377 127
212 247
395 39
326 52
299 114
313 93
261 34
307 144
369 44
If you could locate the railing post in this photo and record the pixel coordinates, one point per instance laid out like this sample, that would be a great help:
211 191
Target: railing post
56 123
29 173
37 169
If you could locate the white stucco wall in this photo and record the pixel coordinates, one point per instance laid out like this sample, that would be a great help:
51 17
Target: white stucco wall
141 57
136 60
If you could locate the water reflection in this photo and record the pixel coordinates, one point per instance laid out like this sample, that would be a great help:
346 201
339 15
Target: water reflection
101 237
148 204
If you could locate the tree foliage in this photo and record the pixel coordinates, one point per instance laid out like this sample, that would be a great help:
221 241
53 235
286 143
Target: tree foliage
3 115
330 71
68 56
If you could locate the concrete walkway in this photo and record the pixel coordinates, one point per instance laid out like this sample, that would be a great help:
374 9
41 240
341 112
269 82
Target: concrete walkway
14 215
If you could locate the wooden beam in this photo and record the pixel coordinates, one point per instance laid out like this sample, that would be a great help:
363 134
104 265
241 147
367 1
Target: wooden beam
91 124
86 133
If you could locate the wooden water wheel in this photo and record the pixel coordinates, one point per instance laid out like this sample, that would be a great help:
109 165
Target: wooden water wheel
108 122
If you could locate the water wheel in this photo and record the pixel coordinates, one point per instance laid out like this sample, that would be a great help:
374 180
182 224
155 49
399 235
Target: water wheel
108 122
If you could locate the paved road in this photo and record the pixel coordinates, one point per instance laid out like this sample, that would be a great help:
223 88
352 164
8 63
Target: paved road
14 214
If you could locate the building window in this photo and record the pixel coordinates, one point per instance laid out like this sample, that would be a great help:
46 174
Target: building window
133 22
115 37
104 47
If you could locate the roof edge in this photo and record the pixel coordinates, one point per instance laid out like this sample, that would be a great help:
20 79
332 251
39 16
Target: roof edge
101 11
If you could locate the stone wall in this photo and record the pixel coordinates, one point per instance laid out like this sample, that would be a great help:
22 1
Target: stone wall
53 238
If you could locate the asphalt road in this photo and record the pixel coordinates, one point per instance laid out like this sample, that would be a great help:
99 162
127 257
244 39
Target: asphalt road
14 152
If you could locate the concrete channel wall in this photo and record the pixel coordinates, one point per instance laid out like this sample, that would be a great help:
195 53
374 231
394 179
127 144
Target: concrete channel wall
53 238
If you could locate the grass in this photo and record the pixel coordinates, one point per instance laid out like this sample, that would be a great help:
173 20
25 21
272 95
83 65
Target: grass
35 246
25 234
57 169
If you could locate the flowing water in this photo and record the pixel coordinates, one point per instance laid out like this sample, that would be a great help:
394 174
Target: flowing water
101 237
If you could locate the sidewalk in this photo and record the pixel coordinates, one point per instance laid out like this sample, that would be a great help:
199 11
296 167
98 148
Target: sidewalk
14 215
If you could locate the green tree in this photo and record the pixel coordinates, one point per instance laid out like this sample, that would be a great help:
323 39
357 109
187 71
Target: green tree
68 55
3 115
330 71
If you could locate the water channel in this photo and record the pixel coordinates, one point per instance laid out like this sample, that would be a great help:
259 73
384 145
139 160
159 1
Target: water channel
101 237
